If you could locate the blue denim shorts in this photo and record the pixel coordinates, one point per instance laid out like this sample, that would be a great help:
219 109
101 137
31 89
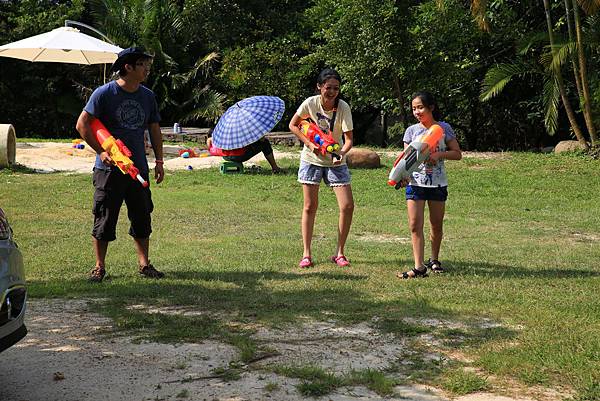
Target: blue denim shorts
332 176
427 193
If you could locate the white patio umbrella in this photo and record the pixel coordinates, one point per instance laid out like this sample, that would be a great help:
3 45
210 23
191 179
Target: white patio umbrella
62 45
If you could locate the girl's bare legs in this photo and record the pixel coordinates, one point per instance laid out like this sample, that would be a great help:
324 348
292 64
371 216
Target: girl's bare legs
416 211
436 219
346 206
309 212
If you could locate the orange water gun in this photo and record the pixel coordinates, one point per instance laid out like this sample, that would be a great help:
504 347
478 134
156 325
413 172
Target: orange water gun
117 150
324 141
416 153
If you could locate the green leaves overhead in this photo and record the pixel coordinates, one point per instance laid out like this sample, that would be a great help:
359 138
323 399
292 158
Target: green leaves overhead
568 52
367 42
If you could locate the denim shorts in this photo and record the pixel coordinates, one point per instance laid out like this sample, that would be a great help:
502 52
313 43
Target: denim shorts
427 193
336 176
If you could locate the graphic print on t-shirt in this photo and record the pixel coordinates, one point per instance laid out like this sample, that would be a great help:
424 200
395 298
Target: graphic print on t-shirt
130 114
323 122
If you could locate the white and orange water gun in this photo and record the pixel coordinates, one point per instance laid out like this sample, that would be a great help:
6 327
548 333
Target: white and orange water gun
416 153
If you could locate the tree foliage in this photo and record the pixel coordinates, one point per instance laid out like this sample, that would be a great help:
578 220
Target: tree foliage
497 86
39 98
181 79
566 46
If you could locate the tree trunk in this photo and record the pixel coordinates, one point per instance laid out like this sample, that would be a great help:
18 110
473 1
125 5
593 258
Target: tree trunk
587 107
572 40
400 97
560 83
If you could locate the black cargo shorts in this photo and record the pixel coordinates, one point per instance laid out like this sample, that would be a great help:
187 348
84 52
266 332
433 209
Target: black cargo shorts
112 187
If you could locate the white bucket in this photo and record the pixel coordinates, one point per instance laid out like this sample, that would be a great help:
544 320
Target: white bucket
8 145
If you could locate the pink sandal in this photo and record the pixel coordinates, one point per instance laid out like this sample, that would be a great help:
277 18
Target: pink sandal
306 262
341 260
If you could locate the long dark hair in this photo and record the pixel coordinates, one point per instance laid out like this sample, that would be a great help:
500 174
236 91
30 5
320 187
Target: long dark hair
429 102
326 74
329 73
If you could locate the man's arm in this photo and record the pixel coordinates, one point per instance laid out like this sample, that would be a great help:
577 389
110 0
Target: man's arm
157 147
85 131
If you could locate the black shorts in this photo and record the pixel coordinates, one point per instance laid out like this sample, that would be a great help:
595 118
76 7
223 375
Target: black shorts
262 145
112 188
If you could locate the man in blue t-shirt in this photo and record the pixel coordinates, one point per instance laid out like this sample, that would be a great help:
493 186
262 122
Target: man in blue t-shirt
127 109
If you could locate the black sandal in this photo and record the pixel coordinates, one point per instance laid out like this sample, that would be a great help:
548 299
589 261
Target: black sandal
435 266
416 273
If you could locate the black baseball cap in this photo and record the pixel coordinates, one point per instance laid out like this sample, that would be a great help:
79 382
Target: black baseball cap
129 56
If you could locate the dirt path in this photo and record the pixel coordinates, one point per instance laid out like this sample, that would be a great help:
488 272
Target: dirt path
72 354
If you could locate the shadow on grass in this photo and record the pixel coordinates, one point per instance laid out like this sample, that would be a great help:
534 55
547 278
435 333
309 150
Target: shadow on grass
253 278
19 168
271 294
505 271
270 297
484 269
190 306
290 294
266 171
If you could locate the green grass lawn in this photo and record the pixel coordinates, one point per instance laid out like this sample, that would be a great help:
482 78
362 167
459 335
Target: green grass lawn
522 245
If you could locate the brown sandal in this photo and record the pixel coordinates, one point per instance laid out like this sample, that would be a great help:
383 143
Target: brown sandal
151 272
97 274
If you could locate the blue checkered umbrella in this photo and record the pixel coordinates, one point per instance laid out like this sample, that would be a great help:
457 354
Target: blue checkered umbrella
247 121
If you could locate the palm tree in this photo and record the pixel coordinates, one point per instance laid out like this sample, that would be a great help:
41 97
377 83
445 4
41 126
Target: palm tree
180 80
199 100
497 77
558 78
585 87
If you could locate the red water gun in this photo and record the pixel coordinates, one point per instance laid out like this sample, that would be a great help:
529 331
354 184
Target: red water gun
324 141
117 150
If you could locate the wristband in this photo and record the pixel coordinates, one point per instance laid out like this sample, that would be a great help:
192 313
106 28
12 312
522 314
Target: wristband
159 161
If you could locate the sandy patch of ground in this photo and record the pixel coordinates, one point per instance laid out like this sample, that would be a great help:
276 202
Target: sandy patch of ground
52 157
72 354
584 237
